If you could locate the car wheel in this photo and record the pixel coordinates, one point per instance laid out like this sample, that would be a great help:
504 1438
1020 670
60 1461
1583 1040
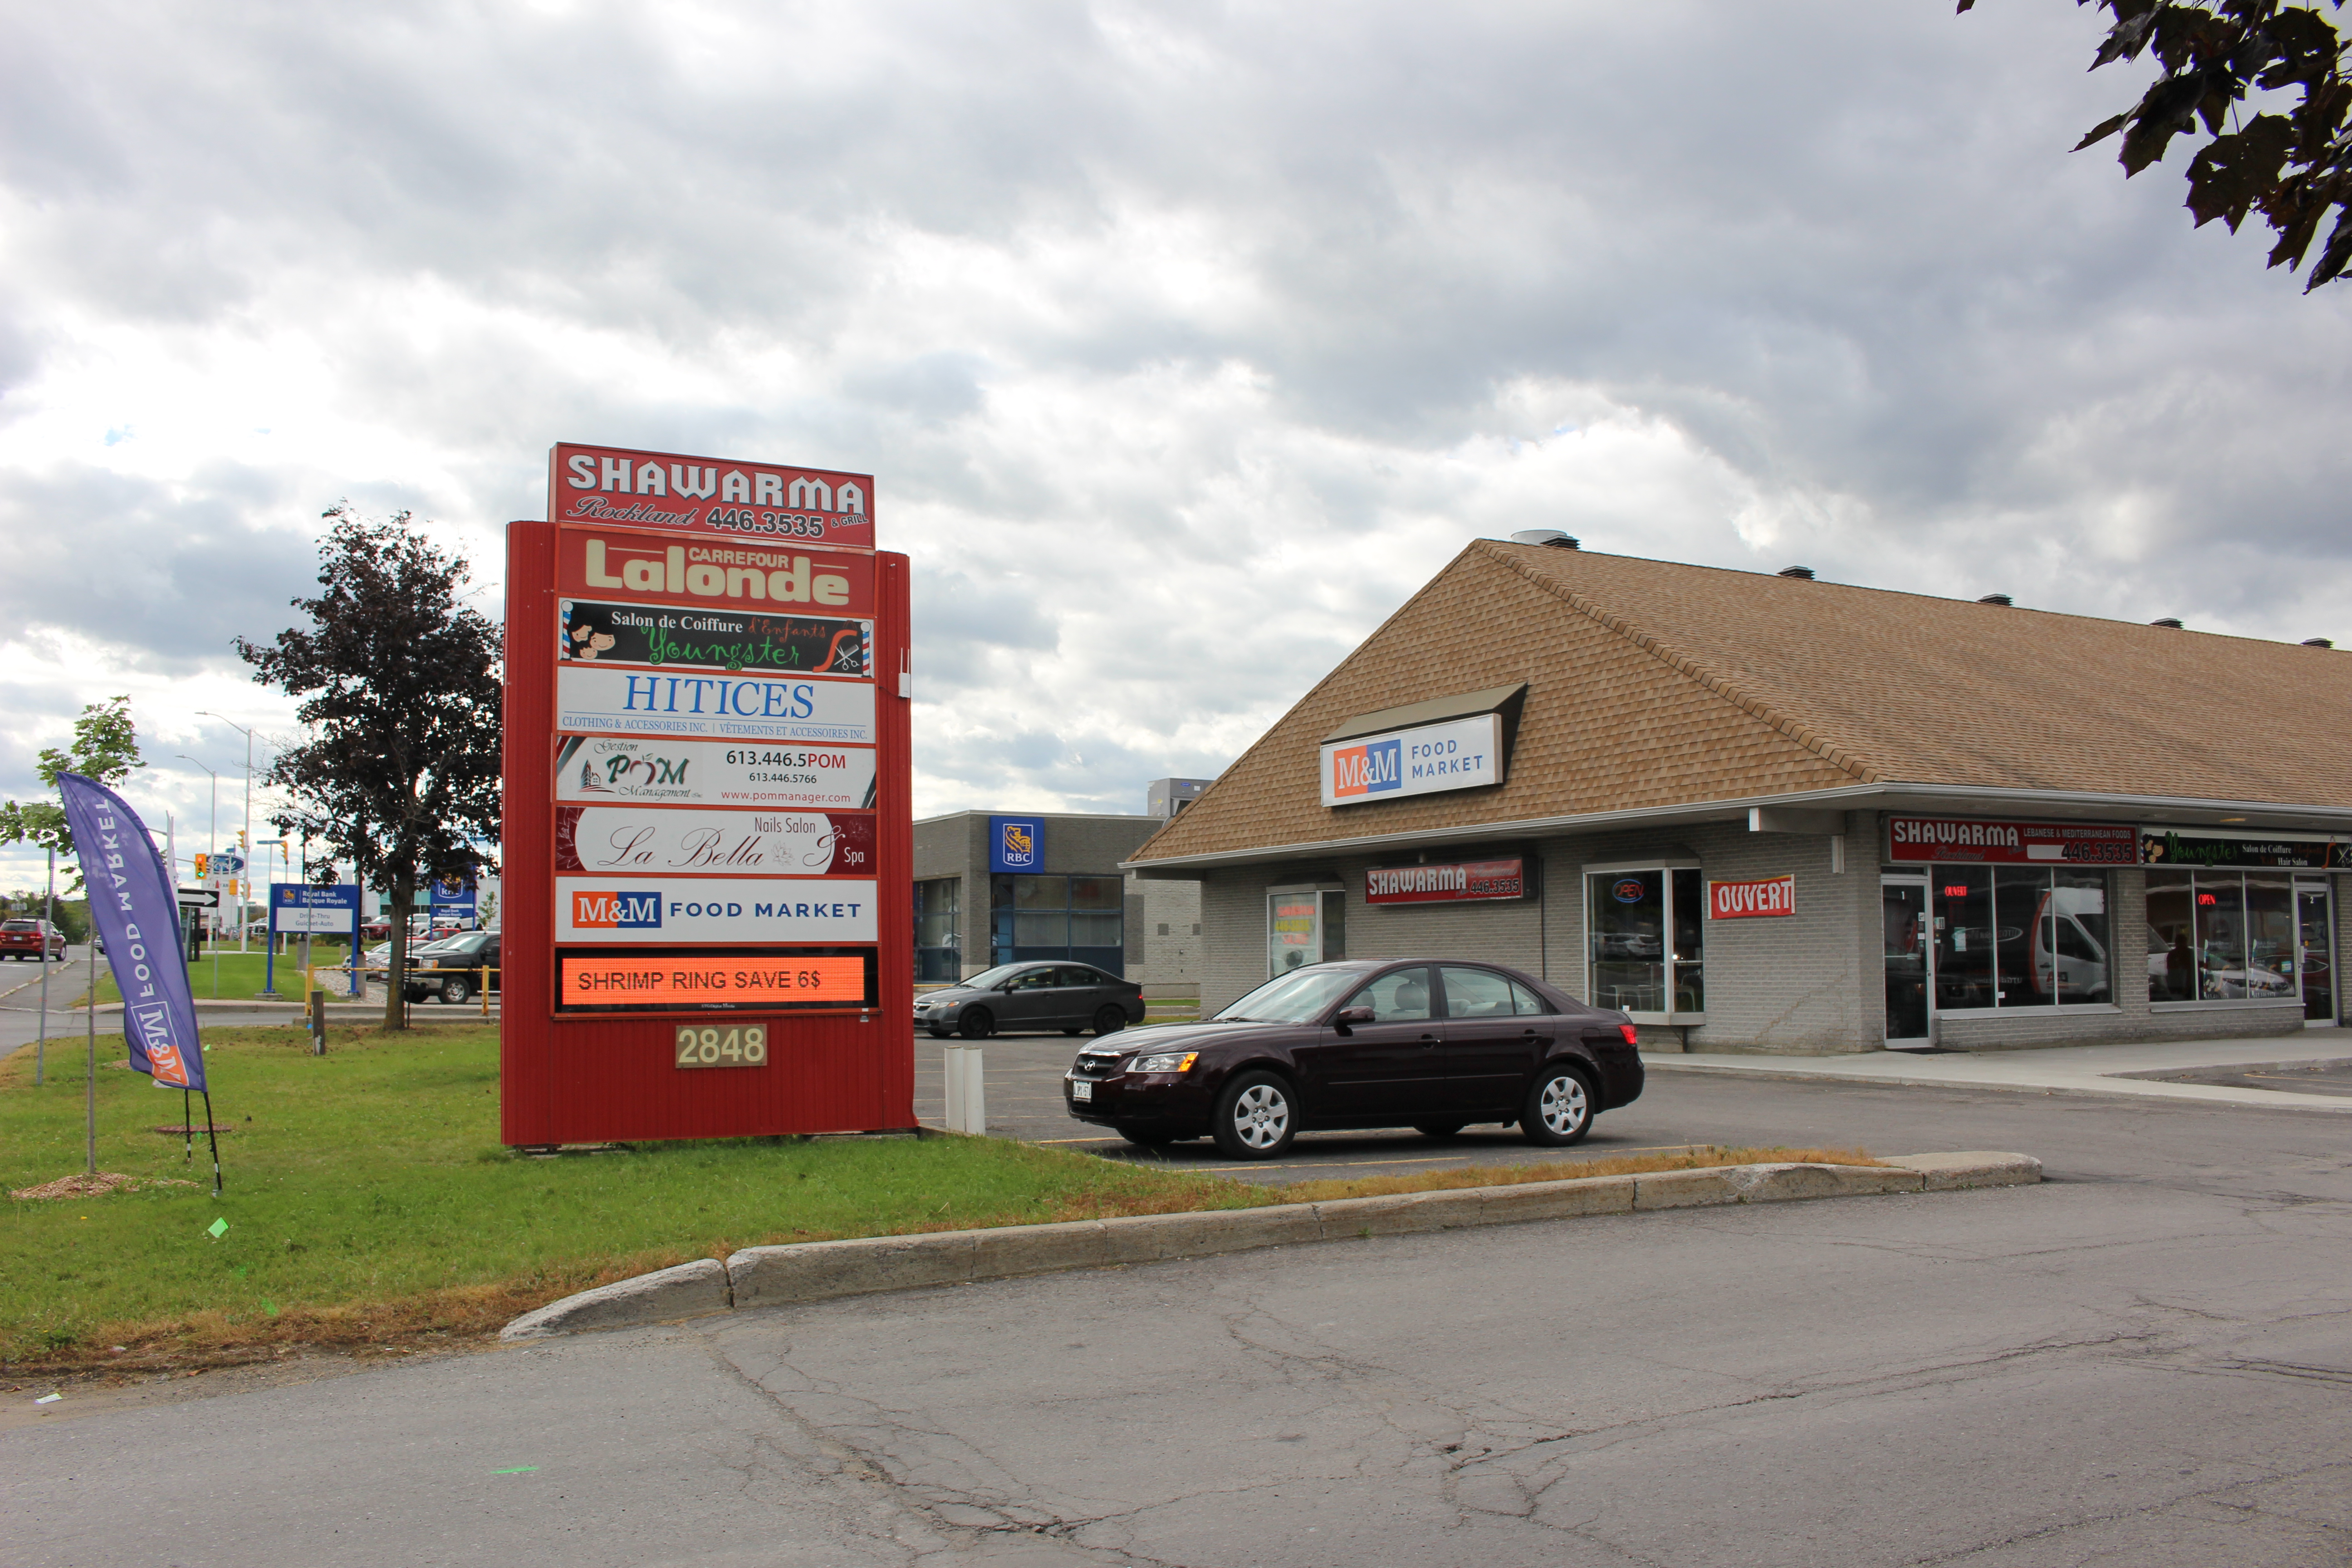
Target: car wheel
1560 1108
455 989
1256 1119
1148 1137
978 1023
1437 1129
1108 1020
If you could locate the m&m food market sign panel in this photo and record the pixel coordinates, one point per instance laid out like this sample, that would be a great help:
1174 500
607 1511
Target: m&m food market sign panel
707 802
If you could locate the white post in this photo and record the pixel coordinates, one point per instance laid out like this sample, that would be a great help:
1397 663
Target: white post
967 1091
975 1094
951 1068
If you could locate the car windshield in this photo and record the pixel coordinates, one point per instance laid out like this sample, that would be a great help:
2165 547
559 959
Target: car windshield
996 976
1298 997
19 925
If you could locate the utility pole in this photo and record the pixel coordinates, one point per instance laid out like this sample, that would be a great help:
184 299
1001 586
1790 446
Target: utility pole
212 848
48 917
248 842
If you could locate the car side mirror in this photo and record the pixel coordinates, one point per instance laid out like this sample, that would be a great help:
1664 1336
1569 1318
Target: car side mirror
1347 1016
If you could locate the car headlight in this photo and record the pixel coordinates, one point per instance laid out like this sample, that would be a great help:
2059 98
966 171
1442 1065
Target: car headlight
1163 1061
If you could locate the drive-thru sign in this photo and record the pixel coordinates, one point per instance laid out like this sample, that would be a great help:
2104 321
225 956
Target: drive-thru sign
709 838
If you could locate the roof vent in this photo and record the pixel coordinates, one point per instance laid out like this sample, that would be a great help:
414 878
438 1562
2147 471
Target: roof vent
2172 621
1552 536
1996 599
1804 572
2318 642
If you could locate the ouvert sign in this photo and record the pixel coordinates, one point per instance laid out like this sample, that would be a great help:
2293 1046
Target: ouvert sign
709 827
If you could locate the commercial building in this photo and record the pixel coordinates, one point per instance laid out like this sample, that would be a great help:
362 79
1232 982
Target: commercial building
999 887
1773 814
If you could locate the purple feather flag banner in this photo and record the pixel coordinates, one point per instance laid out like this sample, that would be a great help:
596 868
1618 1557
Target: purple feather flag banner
136 909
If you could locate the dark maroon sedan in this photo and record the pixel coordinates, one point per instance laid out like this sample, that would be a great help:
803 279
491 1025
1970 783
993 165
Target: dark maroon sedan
1419 1043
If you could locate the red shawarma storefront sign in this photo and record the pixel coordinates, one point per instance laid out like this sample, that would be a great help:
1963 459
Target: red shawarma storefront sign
776 503
1951 838
1755 897
1465 881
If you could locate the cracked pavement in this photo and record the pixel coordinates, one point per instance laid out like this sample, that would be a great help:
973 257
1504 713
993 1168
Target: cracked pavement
2147 1361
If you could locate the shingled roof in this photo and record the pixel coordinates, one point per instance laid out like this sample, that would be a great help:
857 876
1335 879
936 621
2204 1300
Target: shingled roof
1654 685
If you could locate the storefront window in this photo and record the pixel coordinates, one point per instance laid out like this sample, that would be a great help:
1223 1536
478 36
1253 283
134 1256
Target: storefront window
2019 936
1096 906
1690 915
2171 937
1078 918
939 950
1304 926
1644 929
2220 936
2270 935
1964 937
2078 941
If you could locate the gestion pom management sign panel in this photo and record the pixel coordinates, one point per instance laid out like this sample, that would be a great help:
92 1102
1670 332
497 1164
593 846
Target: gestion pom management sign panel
716 671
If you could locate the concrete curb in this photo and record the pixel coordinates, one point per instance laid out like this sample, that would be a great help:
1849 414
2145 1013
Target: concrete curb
826 1271
2158 1085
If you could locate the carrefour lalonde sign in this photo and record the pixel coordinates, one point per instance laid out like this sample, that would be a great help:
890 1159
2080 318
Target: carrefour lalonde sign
1460 753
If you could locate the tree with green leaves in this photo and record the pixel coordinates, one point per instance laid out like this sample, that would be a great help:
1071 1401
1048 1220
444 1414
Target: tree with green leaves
399 770
105 747
2291 163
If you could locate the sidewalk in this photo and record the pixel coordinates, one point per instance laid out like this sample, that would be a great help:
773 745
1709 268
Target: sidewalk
2119 1071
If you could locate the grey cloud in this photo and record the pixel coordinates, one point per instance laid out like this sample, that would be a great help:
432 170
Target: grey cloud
165 580
1841 247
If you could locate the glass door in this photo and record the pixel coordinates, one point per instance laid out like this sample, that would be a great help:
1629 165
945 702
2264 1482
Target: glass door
1909 951
2315 952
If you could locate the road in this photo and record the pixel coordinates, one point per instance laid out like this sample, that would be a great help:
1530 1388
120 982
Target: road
2146 1361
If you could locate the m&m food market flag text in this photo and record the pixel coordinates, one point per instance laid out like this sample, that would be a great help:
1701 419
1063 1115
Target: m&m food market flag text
134 910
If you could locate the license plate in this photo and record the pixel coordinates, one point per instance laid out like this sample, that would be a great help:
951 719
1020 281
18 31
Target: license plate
1081 1089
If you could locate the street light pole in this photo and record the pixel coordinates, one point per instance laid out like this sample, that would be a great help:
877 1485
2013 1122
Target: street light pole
212 848
247 843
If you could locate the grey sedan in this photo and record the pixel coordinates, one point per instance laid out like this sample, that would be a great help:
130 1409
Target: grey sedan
1064 996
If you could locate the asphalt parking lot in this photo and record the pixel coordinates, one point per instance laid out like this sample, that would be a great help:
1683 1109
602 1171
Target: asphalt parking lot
1676 1110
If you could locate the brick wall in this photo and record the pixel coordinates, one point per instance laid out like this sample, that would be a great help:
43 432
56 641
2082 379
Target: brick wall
1776 985
1812 983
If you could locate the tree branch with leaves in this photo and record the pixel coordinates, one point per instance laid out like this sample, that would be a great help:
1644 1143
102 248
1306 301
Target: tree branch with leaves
2295 168
105 747
401 703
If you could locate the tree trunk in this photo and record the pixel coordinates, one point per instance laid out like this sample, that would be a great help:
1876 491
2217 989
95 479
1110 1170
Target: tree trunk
395 985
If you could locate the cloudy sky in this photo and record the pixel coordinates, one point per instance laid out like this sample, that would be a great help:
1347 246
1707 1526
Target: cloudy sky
1186 340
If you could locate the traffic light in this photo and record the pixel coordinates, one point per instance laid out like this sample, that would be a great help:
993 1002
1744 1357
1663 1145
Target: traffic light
241 843
203 865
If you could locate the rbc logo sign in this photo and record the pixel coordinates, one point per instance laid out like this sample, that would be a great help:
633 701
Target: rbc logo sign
1371 768
1015 844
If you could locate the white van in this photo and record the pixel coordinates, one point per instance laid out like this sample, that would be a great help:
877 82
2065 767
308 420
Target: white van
2070 950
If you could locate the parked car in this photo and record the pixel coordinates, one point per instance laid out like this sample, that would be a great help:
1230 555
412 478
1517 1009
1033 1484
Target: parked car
1420 1042
452 969
1064 996
32 939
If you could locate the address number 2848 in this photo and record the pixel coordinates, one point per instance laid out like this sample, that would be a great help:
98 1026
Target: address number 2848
709 1046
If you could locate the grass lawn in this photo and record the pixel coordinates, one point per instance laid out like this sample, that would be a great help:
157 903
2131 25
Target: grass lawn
368 1203
369 1200
224 972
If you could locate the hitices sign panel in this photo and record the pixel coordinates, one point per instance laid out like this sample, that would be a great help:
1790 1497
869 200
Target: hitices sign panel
1460 753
